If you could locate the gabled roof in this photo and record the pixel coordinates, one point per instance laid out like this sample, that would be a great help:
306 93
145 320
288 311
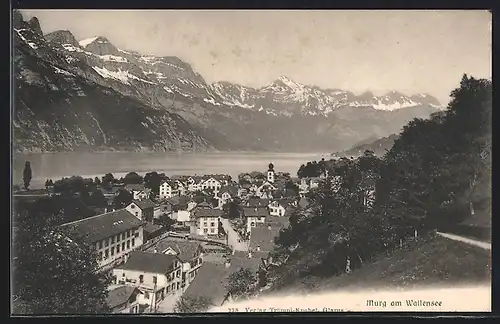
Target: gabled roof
134 187
96 228
257 202
178 200
204 204
206 212
149 262
144 204
185 249
232 190
120 295
255 211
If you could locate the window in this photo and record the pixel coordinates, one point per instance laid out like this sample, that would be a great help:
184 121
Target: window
123 236
252 224
112 240
178 284
141 279
112 250
212 224
212 230
133 242
123 274
178 274
154 279
136 214
117 238
128 244
205 230
128 234
123 246
100 244
173 286
205 224
118 248
146 295
132 206
100 255
168 289
106 254
106 243
137 234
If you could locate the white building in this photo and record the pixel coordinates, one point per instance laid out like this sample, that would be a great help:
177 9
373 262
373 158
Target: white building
254 216
205 221
156 273
113 234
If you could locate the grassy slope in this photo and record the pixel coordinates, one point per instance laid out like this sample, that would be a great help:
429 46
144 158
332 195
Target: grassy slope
438 261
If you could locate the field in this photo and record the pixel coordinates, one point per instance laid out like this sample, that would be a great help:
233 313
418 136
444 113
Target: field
435 262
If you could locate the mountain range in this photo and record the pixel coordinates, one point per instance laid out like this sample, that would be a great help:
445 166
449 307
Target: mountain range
72 95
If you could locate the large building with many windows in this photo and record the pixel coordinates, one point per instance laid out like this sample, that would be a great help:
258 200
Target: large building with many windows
113 234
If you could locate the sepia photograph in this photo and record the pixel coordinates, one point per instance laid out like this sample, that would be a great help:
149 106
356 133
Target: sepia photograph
250 161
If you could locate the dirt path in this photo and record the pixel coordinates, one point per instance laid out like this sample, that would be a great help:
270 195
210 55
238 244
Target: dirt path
233 237
483 245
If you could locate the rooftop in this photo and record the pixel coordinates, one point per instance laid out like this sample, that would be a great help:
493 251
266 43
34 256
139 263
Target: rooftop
185 249
207 212
151 228
149 262
257 202
134 187
96 228
263 238
120 295
255 211
144 204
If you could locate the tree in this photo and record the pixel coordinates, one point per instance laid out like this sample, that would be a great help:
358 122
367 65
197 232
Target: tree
165 221
107 180
242 283
97 199
27 175
132 178
48 183
193 304
53 274
231 210
97 181
152 180
122 199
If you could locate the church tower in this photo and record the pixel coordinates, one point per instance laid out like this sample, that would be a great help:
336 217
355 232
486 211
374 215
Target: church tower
270 173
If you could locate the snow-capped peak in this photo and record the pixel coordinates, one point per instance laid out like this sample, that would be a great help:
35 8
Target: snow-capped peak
87 41
290 83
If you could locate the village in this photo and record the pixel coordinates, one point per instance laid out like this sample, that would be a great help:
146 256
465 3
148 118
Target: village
231 227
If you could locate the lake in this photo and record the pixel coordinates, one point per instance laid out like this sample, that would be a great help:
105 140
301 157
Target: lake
58 165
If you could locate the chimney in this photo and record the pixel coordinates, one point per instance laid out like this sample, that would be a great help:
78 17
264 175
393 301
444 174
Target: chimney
228 263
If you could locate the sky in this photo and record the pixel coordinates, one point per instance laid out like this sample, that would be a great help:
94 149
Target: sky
359 50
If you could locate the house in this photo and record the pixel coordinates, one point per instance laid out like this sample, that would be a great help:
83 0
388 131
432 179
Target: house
212 277
168 188
205 221
212 184
254 216
195 183
138 191
111 193
281 207
189 252
265 190
227 194
143 209
154 273
263 234
182 187
125 299
113 234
